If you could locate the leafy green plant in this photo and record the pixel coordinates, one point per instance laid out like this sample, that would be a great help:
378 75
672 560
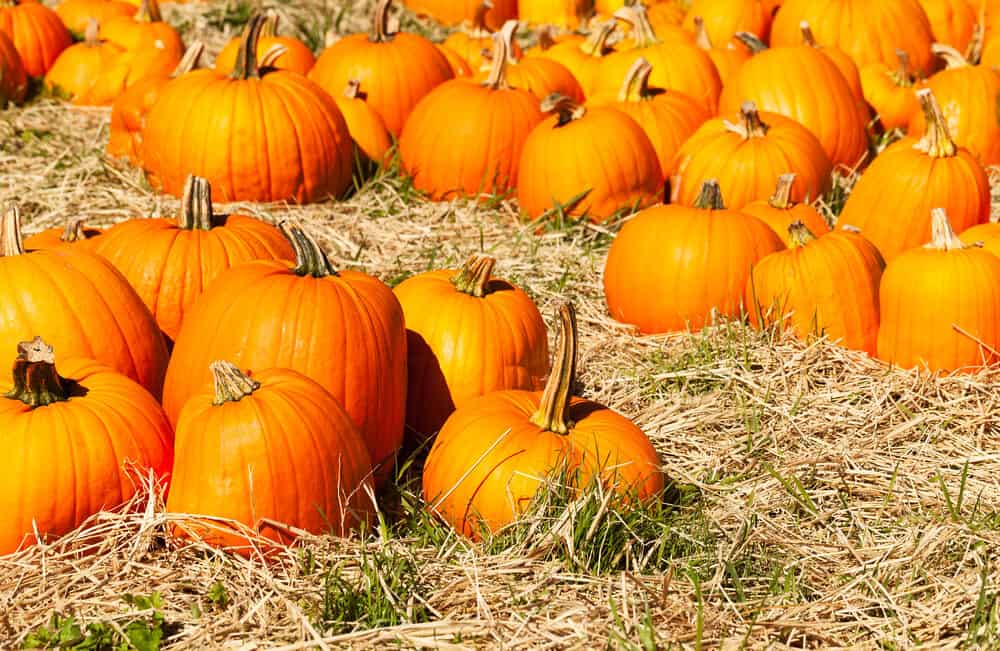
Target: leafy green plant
143 633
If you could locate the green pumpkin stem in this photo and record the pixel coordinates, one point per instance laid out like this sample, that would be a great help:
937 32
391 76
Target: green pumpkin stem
474 276
36 382
501 56
943 238
643 34
635 88
701 37
11 243
188 62
597 41
799 234
380 22
231 384
310 259
149 12
710 196
553 408
750 125
937 141
246 59
782 197
196 205
564 107
752 41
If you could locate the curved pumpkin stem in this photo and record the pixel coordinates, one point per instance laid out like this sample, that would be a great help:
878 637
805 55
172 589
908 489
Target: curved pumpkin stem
310 259
643 34
752 41
750 126
710 196
564 107
270 58
190 60
553 408
10 232
74 231
808 38
782 197
635 88
508 32
196 205
271 21
974 51
246 59
231 384
943 238
501 57
597 41
937 141
952 57
475 275
149 12
799 234
701 37
36 382
381 30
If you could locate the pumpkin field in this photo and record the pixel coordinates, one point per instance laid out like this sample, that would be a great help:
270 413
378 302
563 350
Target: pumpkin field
522 324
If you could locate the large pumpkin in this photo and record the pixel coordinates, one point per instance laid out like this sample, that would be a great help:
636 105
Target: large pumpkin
295 55
78 302
256 134
939 304
891 203
747 156
396 70
37 32
779 211
270 450
673 267
891 91
820 286
494 453
343 329
75 440
482 334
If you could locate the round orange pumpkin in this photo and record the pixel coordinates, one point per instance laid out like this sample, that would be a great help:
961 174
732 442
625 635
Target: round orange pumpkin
845 64
37 32
295 57
985 235
723 18
459 66
365 125
728 58
77 14
891 91
538 75
75 233
475 42
779 211
77 68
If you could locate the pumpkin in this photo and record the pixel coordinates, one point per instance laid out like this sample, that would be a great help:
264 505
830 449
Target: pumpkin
450 12
679 66
483 335
969 96
802 83
496 452
74 72
668 117
343 329
891 91
673 267
985 235
820 286
296 56
170 262
474 43
255 134
143 30
582 56
868 32
75 233
80 303
459 66
891 202
128 111
37 33
662 15
13 78
396 70
723 18
939 304
75 439
727 59
77 14
568 14
589 161
366 127
465 139
537 75
845 64
747 156
953 22
270 450
780 211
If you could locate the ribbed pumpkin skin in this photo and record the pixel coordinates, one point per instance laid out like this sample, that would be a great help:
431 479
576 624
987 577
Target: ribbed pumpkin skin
68 459
298 57
723 18
37 32
459 66
541 77
727 61
747 167
482 485
287 452
867 31
366 127
77 14
676 66
270 139
802 83
76 69
584 67
988 234
952 21
465 139
345 332
895 104
467 346
828 286
52 238
779 219
559 13
452 12
670 266
13 78
128 114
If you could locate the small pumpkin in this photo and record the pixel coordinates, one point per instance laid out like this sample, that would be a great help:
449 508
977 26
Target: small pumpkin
494 453
567 14
891 91
985 235
365 125
587 161
37 32
582 56
296 56
779 211
270 450
475 42
74 72
538 75
77 14
483 335
727 59
74 438
722 19
450 12
75 233
673 267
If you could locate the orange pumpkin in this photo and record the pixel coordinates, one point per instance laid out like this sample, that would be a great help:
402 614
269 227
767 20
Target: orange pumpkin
344 329
673 267
74 72
271 451
77 14
75 438
365 125
483 335
450 12
465 139
396 70
37 33
727 59
13 78
537 75
985 235
494 453
953 22
891 202
820 286
296 57
475 42
747 156
939 304
568 14
723 18
779 211
891 91
459 66
582 56
587 161
75 233
845 64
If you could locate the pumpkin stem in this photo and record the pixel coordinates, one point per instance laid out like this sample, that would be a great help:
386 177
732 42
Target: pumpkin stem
190 60
564 107
36 382
701 37
643 34
231 384
903 77
246 59
750 126
381 31
508 32
502 43
636 85
808 38
952 57
310 259
937 141
74 231
270 28
974 51
148 12
10 232
270 58
782 197
475 275
553 408
710 197
196 205
799 234
597 41
479 27
91 33
752 41
943 238
353 89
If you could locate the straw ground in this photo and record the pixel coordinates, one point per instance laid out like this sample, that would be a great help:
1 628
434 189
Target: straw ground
821 499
